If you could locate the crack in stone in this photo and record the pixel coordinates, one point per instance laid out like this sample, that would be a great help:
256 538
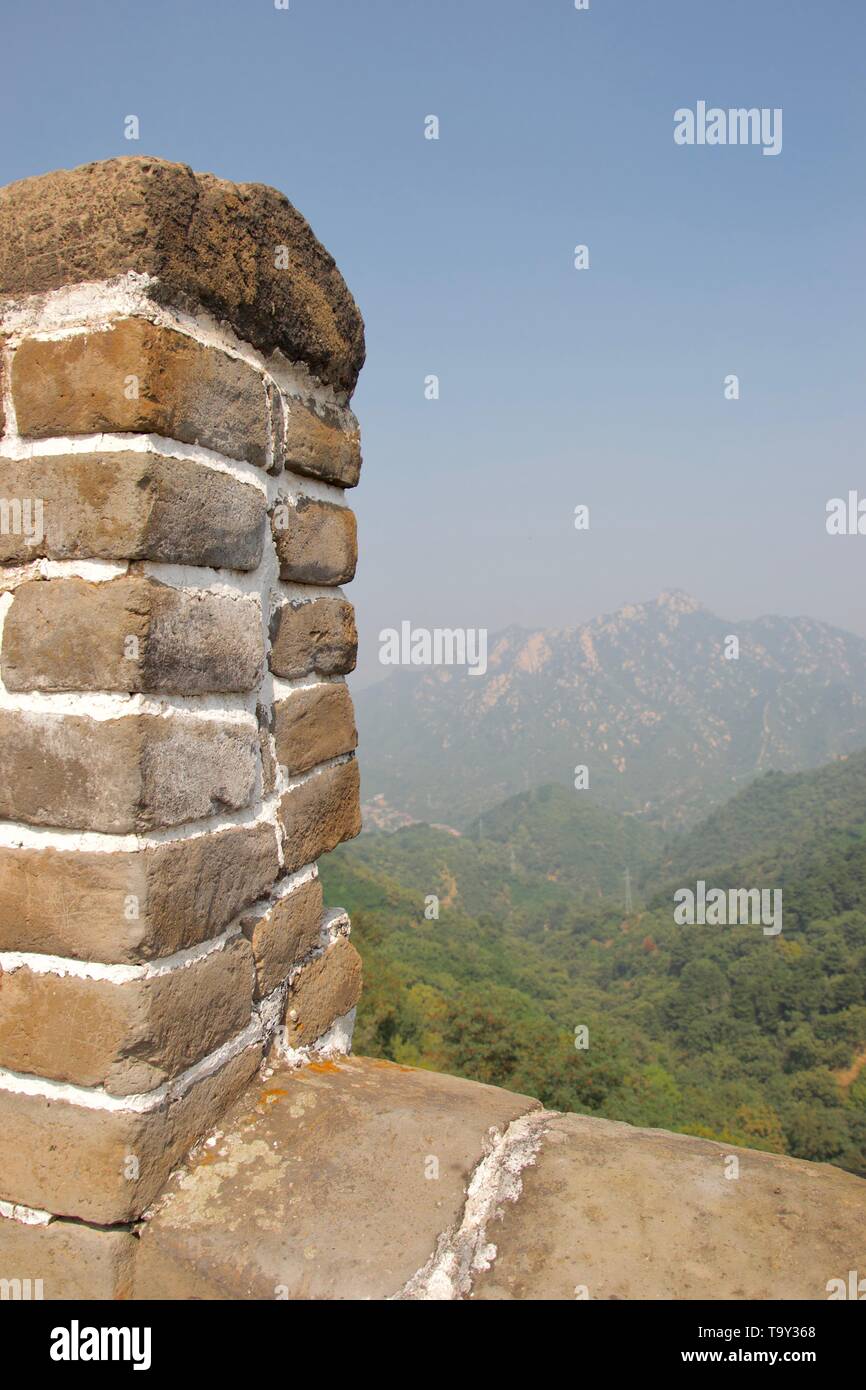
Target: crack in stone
463 1249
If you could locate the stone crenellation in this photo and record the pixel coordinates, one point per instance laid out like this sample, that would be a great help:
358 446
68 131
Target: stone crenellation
177 355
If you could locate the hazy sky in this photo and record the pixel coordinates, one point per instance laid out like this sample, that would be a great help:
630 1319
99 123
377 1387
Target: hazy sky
558 387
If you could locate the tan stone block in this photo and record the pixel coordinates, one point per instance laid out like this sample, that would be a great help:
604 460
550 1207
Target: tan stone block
128 1037
126 907
320 813
107 1165
638 1215
122 775
283 933
240 251
322 992
134 377
339 1205
317 444
317 636
69 1261
130 634
314 724
317 542
128 506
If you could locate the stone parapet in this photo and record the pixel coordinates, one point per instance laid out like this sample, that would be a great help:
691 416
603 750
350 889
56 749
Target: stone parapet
176 359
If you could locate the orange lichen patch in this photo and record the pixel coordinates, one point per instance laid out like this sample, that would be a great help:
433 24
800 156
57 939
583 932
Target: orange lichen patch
203 1160
272 1096
395 1066
326 1066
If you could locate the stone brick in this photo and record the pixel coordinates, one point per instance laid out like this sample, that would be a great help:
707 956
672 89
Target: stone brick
317 542
320 813
182 390
122 775
68 634
640 1214
318 636
338 1205
207 244
314 724
107 1165
72 1261
129 506
317 444
322 992
283 933
131 906
128 1037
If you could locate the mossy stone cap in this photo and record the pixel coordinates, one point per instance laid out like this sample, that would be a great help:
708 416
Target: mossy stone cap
240 251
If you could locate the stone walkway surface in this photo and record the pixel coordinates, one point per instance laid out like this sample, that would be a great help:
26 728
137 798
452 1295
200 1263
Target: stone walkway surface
358 1179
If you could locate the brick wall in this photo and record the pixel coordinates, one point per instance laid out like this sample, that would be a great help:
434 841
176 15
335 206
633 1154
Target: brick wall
178 743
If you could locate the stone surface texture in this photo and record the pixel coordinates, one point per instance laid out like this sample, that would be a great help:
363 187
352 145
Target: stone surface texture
207 243
177 356
357 1179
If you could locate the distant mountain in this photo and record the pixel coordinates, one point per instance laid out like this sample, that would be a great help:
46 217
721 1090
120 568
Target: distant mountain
644 697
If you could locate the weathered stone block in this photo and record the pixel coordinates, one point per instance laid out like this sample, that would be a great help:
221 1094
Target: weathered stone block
289 1229
130 634
283 933
70 1260
128 1037
240 251
318 636
122 775
317 444
641 1214
322 992
314 724
128 506
320 813
138 378
106 1165
317 542
131 906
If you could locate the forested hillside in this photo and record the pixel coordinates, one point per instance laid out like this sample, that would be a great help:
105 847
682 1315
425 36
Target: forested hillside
719 1031
773 820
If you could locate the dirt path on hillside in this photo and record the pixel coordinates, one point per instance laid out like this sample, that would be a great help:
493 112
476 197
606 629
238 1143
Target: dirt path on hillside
847 1077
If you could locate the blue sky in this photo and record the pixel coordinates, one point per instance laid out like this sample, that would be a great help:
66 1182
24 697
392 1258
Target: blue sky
558 386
